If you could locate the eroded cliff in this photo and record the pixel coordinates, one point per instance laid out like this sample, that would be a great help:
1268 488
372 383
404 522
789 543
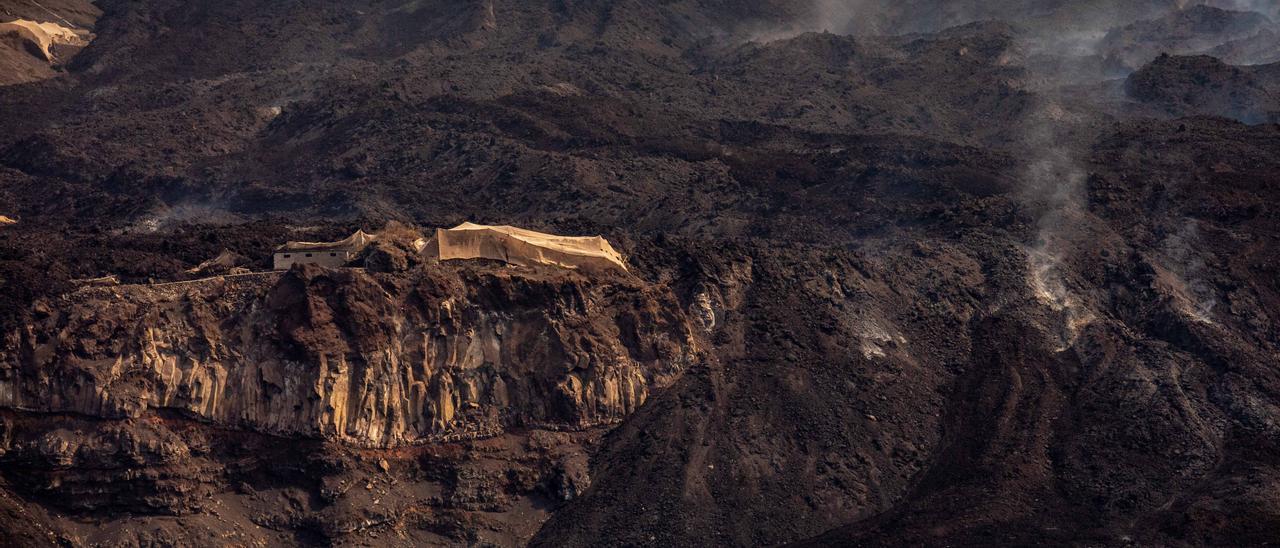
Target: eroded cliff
373 360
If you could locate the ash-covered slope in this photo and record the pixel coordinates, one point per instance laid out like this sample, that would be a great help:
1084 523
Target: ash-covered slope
439 120
1208 86
902 289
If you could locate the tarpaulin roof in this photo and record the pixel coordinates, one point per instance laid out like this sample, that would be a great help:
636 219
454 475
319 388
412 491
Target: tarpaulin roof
354 242
524 247
43 35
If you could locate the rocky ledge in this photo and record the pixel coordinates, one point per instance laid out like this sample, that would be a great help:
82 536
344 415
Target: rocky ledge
443 353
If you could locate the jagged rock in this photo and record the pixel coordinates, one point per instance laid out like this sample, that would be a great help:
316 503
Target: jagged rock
450 353
120 467
572 478
386 258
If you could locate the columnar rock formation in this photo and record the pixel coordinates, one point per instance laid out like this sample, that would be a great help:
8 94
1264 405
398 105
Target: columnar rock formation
369 360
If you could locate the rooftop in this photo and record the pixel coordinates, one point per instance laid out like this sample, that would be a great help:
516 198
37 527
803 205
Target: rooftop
354 242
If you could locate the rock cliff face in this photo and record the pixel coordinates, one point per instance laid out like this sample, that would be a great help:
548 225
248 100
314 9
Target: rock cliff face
367 359
137 482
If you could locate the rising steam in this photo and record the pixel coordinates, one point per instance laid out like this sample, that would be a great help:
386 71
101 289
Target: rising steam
1054 186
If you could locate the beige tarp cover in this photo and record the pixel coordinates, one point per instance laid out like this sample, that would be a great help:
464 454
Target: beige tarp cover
226 259
524 247
354 242
43 35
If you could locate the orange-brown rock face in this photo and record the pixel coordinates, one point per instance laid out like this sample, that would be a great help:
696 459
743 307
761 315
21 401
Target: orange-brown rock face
365 359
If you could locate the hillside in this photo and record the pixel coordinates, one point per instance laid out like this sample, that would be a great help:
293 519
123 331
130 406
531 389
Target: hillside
1000 275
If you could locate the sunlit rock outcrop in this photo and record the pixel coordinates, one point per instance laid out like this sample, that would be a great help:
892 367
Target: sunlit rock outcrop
365 359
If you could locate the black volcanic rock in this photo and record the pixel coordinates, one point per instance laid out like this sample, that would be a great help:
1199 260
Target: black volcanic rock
907 287
1205 85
